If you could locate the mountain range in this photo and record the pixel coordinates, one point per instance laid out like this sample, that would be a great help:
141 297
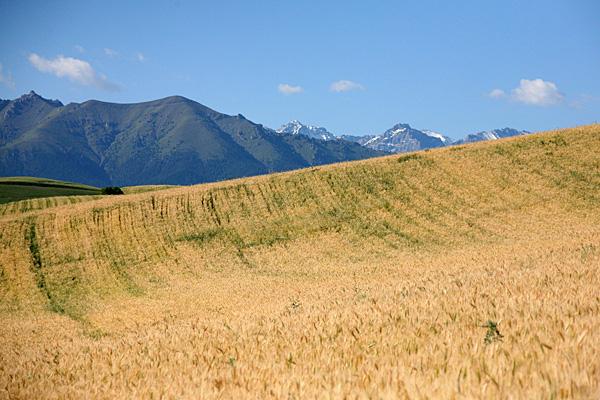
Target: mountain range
168 141
400 138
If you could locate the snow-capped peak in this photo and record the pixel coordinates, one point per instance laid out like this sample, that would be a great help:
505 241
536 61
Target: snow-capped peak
402 137
296 127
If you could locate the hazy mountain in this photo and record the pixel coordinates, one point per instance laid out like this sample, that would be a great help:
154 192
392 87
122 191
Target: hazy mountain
357 139
171 141
296 127
491 135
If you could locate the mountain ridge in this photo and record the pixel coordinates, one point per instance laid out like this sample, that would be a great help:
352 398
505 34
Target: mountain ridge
173 140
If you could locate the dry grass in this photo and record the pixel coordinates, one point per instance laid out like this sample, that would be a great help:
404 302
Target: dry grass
365 279
145 188
42 203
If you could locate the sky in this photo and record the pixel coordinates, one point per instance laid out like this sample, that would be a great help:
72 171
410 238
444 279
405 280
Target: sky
354 67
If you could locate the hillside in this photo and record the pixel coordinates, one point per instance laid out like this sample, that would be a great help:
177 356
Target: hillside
168 141
461 271
24 187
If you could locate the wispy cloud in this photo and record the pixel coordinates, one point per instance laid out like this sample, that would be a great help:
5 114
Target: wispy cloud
6 78
581 101
76 70
497 94
534 92
345 86
110 52
140 57
79 48
289 89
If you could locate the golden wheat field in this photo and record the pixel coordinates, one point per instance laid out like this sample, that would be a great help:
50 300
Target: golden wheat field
464 272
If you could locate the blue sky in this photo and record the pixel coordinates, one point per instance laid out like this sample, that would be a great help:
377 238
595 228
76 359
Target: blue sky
354 67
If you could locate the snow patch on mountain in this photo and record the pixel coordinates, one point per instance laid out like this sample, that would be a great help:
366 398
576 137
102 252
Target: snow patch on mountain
437 135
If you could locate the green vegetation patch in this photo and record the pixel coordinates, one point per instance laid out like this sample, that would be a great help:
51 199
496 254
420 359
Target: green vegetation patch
23 188
37 269
203 237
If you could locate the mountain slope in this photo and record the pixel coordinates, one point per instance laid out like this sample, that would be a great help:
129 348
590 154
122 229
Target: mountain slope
168 141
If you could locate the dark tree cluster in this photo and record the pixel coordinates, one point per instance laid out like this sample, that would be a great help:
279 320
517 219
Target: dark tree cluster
112 190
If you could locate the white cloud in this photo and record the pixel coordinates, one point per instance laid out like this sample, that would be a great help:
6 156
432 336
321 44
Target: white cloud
79 48
140 56
110 52
76 70
537 92
6 78
497 94
289 89
345 86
